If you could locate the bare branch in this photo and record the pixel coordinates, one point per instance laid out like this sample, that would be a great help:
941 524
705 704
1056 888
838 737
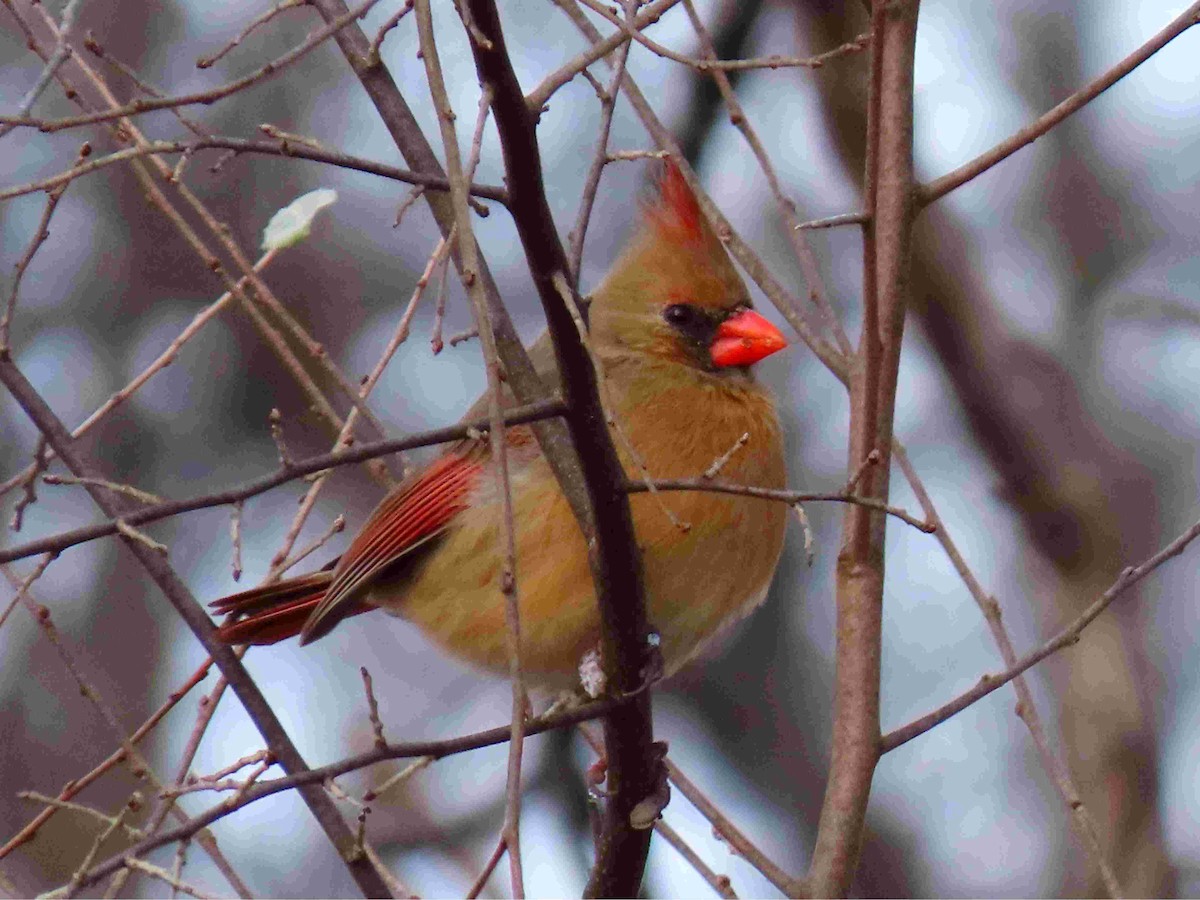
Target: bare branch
621 856
886 268
282 6
283 147
1069 636
706 65
190 611
318 776
141 105
937 189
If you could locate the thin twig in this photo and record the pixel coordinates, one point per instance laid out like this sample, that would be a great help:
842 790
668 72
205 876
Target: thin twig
318 776
1027 709
136 107
23 586
719 883
710 64
783 496
132 862
126 490
114 826
608 105
235 535
407 203
29 482
513 416
281 148
398 778
723 460
62 52
78 784
205 62
938 188
163 360
489 867
372 708
600 48
1067 637
835 221
40 234
439 306
459 177
733 836
337 526
118 820
373 58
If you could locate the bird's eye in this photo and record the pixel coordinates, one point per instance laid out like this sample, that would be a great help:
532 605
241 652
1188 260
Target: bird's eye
690 321
680 315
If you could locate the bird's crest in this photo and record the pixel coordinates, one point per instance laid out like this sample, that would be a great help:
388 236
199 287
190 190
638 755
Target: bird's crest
675 257
674 213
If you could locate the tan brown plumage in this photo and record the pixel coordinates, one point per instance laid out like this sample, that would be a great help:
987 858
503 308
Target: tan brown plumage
673 329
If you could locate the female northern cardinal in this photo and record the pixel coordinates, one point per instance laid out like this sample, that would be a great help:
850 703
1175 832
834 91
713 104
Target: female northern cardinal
675 335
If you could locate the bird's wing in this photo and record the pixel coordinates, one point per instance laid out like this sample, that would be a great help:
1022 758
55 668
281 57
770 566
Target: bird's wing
408 518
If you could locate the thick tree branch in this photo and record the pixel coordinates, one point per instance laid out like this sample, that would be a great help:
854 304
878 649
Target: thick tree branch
613 555
874 373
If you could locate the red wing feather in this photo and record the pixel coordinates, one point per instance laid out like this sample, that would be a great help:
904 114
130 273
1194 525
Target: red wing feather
311 605
416 512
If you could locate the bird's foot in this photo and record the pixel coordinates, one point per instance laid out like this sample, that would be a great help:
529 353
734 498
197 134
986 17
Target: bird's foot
649 809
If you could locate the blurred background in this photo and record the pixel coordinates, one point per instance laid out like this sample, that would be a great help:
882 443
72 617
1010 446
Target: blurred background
1046 397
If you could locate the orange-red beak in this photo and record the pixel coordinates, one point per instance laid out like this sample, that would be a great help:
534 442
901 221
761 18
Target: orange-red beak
745 338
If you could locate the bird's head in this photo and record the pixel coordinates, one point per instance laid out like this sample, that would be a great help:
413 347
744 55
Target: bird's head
674 294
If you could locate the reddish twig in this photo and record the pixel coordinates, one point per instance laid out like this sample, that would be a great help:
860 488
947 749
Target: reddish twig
78 784
860 575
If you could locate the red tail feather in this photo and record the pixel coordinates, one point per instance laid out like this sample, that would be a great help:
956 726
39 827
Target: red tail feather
275 612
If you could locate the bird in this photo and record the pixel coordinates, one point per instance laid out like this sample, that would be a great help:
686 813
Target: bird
675 335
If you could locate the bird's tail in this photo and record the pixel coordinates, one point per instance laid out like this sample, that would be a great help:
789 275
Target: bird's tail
275 612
